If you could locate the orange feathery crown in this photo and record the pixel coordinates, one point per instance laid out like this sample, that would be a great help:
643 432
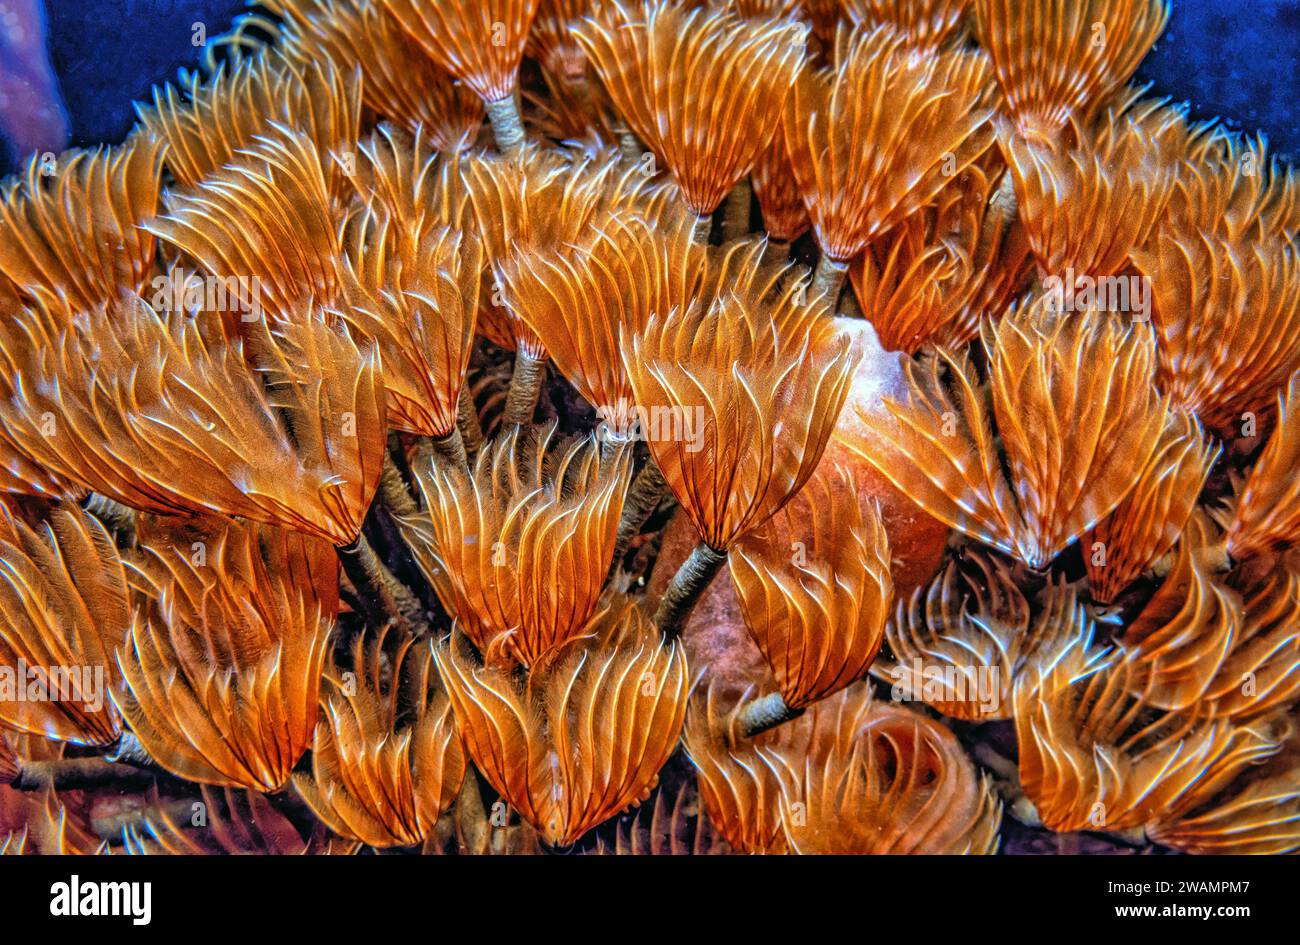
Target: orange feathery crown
755 377
872 140
694 85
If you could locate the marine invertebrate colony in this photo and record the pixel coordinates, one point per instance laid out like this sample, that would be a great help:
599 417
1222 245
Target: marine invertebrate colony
377 421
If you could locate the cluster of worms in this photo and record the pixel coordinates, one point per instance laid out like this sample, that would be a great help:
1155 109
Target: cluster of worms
653 426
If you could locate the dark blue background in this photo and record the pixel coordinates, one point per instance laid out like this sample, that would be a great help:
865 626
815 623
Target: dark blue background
1235 59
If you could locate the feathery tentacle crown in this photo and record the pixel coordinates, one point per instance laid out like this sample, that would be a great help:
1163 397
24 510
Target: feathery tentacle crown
480 42
141 407
580 304
1057 59
582 738
694 85
1086 208
1069 404
785 217
1227 315
1093 756
266 219
877 135
1259 818
224 660
398 79
207 127
815 589
933 277
70 226
64 611
749 382
961 644
518 549
849 776
386 757
409 284
542 202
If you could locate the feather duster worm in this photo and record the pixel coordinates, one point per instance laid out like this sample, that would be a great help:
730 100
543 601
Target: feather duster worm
481 43
1177 645
1227 316
1231 646
398 81
769 372
1085 208
77 234
815 589
926 23
1267 512
223 665
412 197
703 88
265 221
300 561
1261 818
212 123
1093 757
386 759
961 644
850 776
580 303
536 201
140 407
518 549
1147 523
876 137
932 278
1082 382
751 382
64 611
417 302
540 201
1055 59
892 782
583 738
